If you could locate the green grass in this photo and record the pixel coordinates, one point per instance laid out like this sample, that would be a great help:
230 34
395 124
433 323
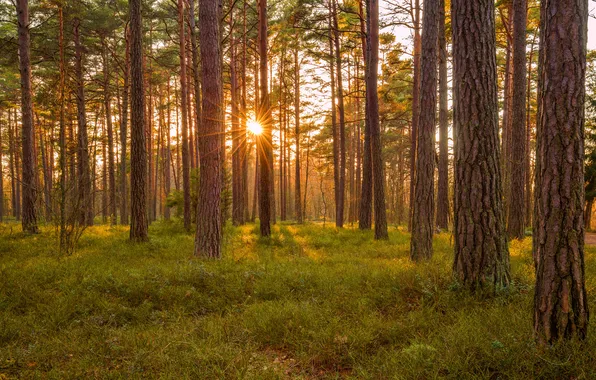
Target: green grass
311 302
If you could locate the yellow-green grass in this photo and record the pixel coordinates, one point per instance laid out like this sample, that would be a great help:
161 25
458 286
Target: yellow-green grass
311 302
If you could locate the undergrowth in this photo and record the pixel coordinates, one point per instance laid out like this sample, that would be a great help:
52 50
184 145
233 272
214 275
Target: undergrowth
310 302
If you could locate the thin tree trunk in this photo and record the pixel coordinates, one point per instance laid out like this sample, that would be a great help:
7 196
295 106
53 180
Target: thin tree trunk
365 215
415 106
481 253
339 219
560 300
108 114
184 114
138 153
443 180
421 247
297 190
29 220
123 135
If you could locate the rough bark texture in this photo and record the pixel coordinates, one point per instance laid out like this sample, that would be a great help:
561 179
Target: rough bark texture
481 253
415 105
123 136
517 191
560 303
85 202
29 213
209 223
237 167
372 102
138 147
421 246
366 196
341 193
442 220
264 141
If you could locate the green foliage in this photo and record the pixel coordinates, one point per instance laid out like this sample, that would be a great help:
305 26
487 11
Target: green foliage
310 302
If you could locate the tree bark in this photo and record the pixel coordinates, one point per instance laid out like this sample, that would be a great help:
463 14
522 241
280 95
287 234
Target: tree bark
264 141
415 106
29 212
560 300
123 136
421 247
138 152
481 253
372 102
209 223
339 218
442 220
366 196
516 200
297 189
108 114
184 115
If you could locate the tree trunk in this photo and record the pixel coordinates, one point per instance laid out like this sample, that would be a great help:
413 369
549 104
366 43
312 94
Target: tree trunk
108 114
123 136
237 186
168 153
29 217
85 203
372 102
588 214
366 196
560 301
264 118
209 223
138 151
339 218
442 220
516 200
421 246
415 106
184 114
297 190
481 253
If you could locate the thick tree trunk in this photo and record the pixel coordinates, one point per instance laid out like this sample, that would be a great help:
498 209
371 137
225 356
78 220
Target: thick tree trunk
517 191
415 106
560 301
29 217
372 103
85 203
264 141
138 151
442 220
339 218
184 115
481 253
421 246
209 223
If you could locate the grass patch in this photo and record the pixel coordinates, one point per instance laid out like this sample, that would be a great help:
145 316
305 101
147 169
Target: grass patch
310 302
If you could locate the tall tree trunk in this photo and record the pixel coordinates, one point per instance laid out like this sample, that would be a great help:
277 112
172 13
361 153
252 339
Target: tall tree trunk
264 141
415 106
507 121
1 174
297 190
108 114
481 253
517 191
29 220
138 151
421 246
443 180
123 135
63 192
237 186
366 197
13 165
339 218
184 114
196 74
168 152
372 102
243 138
209 223
334 132
85 203
560 300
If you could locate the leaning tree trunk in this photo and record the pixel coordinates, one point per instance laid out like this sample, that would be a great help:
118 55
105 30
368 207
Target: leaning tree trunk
29 213
209 223
138 147
481 253
442 220
421 246
516 200
560 301
372 102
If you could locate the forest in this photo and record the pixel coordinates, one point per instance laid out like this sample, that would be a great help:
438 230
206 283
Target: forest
309 189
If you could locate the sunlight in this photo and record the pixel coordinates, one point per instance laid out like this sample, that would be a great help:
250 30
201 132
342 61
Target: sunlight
254 127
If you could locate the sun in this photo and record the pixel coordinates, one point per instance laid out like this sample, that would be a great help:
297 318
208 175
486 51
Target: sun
254 127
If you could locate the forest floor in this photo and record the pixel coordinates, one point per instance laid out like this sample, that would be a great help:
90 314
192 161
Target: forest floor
311 302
